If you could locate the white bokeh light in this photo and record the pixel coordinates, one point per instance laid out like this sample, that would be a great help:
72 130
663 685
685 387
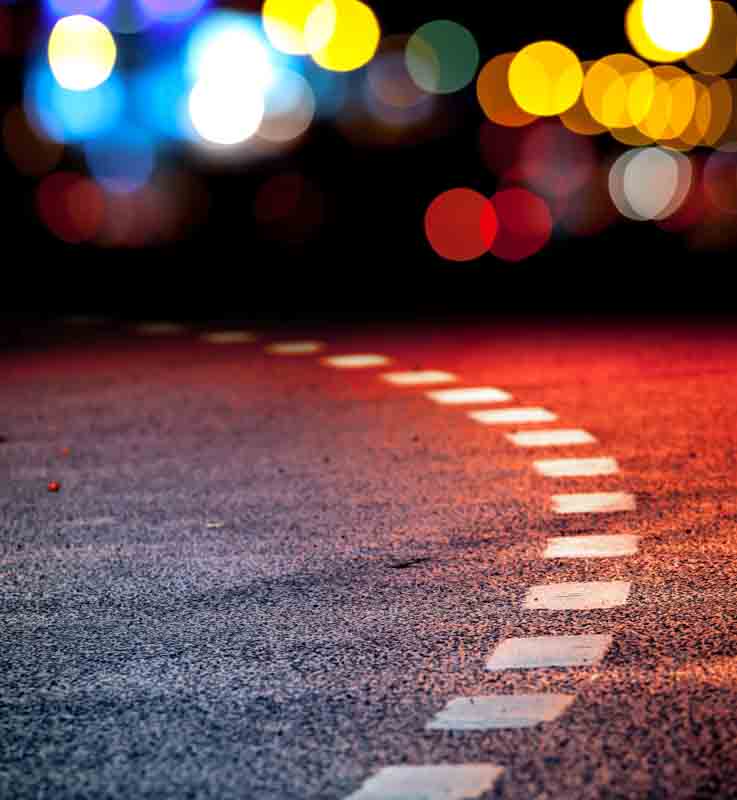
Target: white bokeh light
225 46
225 112
650 183
679 26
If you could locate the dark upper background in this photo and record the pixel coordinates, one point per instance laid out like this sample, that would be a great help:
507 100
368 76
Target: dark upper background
371 253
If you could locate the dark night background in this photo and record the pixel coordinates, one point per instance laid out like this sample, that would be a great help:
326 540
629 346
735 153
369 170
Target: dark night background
371 252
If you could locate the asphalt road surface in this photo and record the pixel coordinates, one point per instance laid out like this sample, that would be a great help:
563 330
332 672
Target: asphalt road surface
267 576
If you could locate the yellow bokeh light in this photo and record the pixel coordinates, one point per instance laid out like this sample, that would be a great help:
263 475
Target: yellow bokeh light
722 107
673 104
355 35
679 26
545 78
618 90
693 134
719 53
81 52
285 21
578 118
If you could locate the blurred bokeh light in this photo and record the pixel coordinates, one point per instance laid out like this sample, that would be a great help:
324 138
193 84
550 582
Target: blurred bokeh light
495 97
353 39
545 78
71 206
678 26
525 224
461 225
285 22
442 57
82 52
31 152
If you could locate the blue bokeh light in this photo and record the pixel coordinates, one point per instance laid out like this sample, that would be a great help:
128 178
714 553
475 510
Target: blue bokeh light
69 116
173 11
122 160
159 95
63 8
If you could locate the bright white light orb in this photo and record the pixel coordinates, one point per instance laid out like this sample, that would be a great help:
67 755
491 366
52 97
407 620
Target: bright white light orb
226 46
650 183
81 52
226 112
680 26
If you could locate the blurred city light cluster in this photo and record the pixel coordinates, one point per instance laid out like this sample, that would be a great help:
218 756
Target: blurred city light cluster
119 95
544 106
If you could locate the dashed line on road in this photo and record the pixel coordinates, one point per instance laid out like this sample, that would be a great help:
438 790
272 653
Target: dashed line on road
84 321
229 337
594 503
301 348
469 396
160 329
531 652
551 438
571 596
357 361
436 782
499 712
512 416
615 545
576 467
426 377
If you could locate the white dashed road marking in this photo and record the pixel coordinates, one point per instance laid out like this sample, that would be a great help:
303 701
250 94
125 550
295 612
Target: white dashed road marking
467 397
160 329
500 711
419 378
84 321
576 467
578 596
363 361
229 337
294 348
598 503
549 651
512 416
554 438
440 782
607 546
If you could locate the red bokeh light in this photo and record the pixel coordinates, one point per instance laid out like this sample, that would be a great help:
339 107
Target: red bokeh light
71 207
525 224
461 225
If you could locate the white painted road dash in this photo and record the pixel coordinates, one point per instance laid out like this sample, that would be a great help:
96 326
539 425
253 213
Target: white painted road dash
512 416
229 337
571 596
597 503
607 546
437 782
305 348
500 711
160 329
468 397
576 467
549 651
553 438
419 378
357 361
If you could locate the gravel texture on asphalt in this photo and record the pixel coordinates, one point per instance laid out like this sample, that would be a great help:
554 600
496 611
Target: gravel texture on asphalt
261 577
